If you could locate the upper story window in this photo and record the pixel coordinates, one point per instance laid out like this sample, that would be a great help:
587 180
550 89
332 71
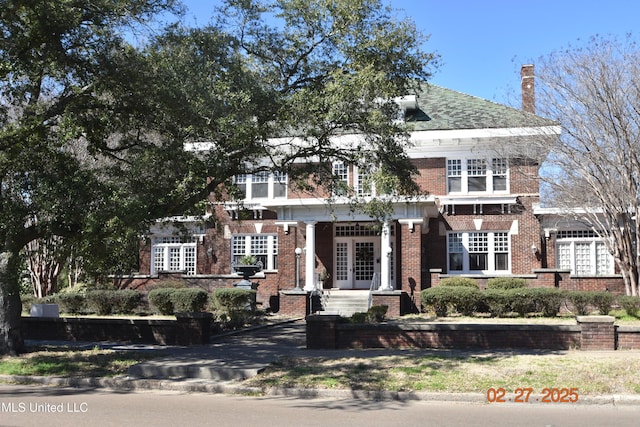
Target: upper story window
341 174
262 246
477 175
174 254
478 252
363 184
262 185
583 252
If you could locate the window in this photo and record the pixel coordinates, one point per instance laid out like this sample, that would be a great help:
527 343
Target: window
454 175
262 185
341 173
174 253
583 252
478 251
363 182
263 246
477 175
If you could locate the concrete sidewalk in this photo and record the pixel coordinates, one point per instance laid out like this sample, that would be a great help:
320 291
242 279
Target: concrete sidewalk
218 367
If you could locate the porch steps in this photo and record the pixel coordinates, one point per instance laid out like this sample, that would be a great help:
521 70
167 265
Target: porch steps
344 302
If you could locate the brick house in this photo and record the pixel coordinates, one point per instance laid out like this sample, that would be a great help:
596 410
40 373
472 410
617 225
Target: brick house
479 217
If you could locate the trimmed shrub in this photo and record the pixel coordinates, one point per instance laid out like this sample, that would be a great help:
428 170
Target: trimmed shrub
189 299
547 300
99 302
584 300
506 283
168 283
465 300
106 302
437 299
377 313
630 304
603 301
161 300
71 302
497 302
580 301
466 282
520 301
228 300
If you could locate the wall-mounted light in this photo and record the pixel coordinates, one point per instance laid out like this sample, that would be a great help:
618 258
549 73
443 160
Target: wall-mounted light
534 249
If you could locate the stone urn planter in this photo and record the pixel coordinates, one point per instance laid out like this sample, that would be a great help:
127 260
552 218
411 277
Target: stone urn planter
247 270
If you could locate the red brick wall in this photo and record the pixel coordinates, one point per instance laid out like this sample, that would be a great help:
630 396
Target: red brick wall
327 332
433 175
409 264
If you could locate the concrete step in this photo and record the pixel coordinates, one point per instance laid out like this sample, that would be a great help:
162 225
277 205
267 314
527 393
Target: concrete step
345 302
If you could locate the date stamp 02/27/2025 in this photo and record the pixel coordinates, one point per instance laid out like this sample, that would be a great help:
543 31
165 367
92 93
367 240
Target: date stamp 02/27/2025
527 395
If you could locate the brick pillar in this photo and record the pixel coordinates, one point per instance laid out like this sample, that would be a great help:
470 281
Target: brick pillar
294 303
597 332
321 331
193 328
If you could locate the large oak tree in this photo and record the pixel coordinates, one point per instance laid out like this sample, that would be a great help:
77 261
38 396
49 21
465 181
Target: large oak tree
93 127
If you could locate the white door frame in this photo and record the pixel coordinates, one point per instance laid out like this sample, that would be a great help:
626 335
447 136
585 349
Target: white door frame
356 259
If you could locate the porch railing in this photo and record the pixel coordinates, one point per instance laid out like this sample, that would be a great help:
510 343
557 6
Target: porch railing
375 284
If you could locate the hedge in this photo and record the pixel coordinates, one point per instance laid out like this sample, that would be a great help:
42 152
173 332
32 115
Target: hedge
506 283
71 302
630 304
583 301
161 300
168 301
106 302
228 300
189 299
466 282
462 299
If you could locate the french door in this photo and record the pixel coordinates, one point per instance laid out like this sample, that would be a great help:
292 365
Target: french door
356 259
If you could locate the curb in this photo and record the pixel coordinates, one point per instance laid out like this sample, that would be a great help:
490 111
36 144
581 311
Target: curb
213 387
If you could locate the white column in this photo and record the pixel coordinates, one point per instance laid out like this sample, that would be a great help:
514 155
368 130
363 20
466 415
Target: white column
310 258
385 258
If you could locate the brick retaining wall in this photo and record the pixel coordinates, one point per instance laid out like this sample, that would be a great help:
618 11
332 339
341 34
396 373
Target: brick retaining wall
185 330
591 333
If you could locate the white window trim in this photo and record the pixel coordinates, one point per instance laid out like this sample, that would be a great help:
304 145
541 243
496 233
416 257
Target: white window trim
571 242
464 175
491 253
272 249
166 260
247 180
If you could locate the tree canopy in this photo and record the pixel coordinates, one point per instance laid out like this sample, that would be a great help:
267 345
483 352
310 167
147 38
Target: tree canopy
93 126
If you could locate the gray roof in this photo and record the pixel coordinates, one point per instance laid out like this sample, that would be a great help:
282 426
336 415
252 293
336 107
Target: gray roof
446 109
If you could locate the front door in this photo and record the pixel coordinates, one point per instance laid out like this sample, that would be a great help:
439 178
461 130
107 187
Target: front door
356 261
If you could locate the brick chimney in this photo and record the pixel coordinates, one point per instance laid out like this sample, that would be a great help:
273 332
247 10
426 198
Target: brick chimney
528 93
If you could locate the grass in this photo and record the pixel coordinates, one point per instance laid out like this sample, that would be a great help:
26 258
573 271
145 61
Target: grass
67 362
591 373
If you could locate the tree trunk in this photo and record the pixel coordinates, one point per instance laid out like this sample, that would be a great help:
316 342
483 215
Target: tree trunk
11 338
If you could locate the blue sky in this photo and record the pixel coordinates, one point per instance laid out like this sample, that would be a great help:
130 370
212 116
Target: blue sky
482 44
